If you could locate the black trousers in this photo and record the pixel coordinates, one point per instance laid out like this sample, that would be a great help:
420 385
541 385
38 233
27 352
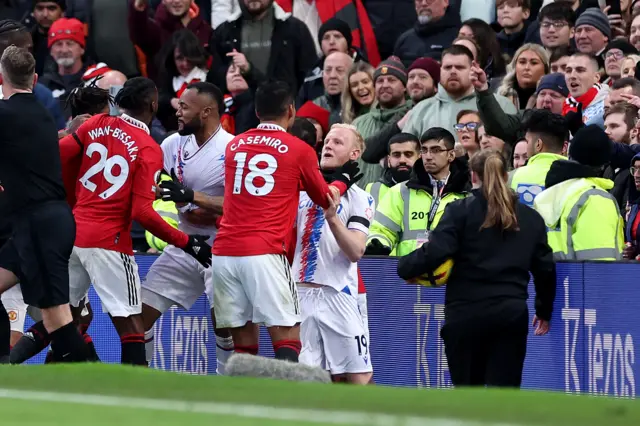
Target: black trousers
488 348
38 253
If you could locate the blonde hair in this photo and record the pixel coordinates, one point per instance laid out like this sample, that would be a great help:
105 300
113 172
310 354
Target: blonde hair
507 88
349 106
634 58
491 168
359 139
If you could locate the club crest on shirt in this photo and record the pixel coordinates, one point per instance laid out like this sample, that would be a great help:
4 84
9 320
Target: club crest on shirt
13 316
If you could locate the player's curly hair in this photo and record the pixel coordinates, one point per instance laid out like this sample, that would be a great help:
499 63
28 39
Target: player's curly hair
136 95
88 100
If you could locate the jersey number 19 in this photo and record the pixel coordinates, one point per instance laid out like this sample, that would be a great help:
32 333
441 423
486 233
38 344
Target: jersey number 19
255 172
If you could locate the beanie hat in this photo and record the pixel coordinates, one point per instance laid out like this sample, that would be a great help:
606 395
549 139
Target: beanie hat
555 82
94 71
335 24
315 112
590 146
626 47
391 66
429 65
61 3
66 29
597 19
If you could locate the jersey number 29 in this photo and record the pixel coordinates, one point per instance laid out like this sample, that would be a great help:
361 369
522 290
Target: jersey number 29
249 181
105 165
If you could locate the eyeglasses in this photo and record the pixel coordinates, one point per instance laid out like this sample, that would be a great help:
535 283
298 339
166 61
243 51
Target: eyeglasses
615 54
556 24
634 170
435 150
469 126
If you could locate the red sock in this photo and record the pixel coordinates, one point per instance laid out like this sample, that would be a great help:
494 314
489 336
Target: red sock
250 349
288 350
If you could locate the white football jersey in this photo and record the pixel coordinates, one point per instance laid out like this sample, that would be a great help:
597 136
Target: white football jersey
318 259
198 168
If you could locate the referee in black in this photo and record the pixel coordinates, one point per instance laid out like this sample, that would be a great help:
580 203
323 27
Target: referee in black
43 228
494 242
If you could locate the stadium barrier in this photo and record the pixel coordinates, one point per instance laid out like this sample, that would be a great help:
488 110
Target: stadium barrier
590 347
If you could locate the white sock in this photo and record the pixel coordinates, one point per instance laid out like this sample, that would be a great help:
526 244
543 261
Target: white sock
149 344
224 349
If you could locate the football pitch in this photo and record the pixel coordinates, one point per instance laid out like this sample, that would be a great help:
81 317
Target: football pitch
99 394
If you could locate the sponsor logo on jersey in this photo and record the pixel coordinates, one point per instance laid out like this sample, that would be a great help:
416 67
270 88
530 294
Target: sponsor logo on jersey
369 213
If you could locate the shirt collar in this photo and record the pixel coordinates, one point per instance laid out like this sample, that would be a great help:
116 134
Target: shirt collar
135 123
270 126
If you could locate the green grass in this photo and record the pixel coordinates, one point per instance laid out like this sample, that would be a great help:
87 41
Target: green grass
489 406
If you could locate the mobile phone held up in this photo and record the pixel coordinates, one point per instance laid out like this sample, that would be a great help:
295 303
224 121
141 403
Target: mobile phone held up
615 7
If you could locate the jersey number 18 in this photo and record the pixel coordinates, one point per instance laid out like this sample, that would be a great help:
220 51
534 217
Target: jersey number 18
249 181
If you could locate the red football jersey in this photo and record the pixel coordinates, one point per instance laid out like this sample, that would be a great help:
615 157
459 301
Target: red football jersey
115 182
265 170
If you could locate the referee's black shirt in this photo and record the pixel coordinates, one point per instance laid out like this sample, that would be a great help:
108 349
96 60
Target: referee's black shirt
30 167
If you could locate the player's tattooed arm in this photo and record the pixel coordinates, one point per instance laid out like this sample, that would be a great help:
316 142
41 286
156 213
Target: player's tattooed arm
208 202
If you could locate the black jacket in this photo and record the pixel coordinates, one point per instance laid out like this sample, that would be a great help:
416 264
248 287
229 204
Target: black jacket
293 51
458 181
490 265
428 39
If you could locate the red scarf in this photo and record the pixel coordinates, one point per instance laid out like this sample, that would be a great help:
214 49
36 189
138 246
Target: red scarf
571 104
354 14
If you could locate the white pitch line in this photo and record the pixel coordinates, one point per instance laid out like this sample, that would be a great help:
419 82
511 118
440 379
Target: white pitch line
241 410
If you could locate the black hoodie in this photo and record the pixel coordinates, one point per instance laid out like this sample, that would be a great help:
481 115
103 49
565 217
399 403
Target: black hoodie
458 181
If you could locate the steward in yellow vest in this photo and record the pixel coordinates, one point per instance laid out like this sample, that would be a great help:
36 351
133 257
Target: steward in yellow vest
404 150
582 217
545 133
409 209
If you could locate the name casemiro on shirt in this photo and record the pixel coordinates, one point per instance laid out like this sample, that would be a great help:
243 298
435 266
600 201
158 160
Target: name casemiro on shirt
261 140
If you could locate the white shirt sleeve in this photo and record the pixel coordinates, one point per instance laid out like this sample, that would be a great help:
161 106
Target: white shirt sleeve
361 212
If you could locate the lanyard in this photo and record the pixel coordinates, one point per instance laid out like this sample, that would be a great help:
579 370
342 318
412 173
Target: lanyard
435 202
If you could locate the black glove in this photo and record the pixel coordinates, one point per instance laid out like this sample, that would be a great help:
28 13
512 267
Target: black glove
347 174
375 248
173 190
574 120
199 249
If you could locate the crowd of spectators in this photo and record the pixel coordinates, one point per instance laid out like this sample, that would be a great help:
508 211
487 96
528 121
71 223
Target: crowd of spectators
396 70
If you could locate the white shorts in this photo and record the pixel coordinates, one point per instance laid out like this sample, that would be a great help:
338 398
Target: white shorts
114 276
332 332
176 278
254 288
364 313
18 310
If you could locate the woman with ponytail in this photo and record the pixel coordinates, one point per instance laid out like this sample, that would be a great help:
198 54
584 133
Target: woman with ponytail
494 242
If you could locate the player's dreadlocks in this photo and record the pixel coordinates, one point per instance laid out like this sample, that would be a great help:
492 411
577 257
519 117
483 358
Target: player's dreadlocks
88 100
136 95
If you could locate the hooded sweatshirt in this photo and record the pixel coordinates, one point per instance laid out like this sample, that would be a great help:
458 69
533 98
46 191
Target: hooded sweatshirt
441 111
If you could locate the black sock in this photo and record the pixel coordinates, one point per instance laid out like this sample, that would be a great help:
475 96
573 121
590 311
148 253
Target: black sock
34 340
68 344
93 355
5 333
133 349
287 350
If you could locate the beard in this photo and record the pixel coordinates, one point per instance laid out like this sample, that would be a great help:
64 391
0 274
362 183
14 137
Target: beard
65 62
190 127
399 175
